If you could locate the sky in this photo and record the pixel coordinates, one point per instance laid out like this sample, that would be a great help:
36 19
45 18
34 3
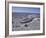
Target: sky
25 10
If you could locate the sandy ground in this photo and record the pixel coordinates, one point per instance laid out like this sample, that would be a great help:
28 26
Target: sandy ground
25 22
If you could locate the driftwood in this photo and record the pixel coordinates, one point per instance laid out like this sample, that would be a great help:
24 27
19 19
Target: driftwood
27 20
